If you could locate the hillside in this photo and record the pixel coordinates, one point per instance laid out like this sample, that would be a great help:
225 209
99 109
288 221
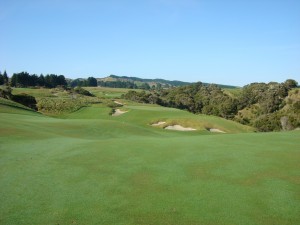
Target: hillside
265 106
152 82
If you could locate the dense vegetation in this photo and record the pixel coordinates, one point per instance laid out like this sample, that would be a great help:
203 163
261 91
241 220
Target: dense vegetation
266 100
117 84
25 79
3 78
90 82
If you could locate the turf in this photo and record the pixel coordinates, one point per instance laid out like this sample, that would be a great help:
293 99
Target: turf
91 168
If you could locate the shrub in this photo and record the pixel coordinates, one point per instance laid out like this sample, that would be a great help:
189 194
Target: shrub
26 100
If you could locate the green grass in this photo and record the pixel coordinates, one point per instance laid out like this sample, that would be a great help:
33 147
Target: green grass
91 168
9 106
37 92
105 92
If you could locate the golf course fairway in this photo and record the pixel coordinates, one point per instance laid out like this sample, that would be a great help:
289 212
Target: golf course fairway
88 167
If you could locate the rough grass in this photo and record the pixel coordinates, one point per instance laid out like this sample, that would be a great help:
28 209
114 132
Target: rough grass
233 92
91 168
105 92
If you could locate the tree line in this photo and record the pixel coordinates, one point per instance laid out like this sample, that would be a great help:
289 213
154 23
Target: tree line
263 101
124 84
24 79
90 82
3 78
118 84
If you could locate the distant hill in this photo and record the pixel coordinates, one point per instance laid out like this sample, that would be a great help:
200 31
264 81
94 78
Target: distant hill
151 82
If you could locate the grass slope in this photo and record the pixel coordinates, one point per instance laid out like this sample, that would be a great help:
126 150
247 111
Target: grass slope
91 168
9 106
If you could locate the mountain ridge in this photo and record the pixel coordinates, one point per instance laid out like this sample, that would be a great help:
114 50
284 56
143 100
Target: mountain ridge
163 82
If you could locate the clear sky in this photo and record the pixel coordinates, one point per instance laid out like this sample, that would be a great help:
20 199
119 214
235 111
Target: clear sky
218 41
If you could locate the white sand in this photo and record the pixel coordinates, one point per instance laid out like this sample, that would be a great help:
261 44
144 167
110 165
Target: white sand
216 130
118 112
179 128
158 123
119 103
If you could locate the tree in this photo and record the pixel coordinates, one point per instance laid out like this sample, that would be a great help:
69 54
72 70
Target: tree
41 80
289 84
13 80
145 86
61 80
5 77
92 82
1 79
158 86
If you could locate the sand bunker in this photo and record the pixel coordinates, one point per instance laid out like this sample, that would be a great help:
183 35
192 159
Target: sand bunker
179 128
119 103
215 130
118 112
158 123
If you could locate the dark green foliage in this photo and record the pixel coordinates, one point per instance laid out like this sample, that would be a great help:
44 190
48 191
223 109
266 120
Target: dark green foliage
24 79
41 80
267 122
118 84
289 84
79 82
262 100
91 82
161 81
270 95
145 86
5 77
196 98
26 100
82 91
1 79
5 92
53 80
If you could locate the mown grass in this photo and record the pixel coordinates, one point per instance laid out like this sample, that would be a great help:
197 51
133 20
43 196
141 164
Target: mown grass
92 168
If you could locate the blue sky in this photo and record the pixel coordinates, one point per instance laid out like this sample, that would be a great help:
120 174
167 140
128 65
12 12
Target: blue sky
218 41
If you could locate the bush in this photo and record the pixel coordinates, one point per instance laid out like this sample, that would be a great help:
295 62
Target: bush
267 122
26 100
80 90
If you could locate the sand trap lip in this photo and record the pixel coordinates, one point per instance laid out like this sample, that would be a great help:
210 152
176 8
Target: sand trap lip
158 123
179 128
118 112
215 130
119 103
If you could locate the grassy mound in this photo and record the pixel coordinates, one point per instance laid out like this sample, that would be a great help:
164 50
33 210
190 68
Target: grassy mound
8 106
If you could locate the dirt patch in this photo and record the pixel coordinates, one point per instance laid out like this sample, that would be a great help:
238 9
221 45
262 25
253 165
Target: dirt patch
158 123
179 128
118 112
215 130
